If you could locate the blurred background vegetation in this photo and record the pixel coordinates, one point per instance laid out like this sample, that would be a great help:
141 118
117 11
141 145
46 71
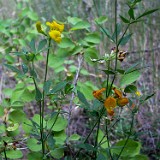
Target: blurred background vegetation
17 28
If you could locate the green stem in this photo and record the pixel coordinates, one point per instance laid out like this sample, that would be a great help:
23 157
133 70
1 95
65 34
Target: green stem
102 111
50 130
43 96
116 60
38 102
108 141
117 120
127 137
107 91
5 155
96 141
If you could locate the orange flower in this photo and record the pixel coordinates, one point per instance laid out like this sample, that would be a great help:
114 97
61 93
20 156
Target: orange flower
110 112
122 102
118 93
98 93
110 103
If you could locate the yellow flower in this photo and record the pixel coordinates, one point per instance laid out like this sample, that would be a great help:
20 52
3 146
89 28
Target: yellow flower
55 35
138 93
98 93
55 30
110 103
39 27
55 26
122 101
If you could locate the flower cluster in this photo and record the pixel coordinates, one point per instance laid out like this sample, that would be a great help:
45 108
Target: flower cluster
112 101
55 30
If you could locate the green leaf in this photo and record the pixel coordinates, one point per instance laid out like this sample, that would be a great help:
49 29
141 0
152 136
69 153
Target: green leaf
17 95
82 98
77 50
14 154
12 127
87 89
101 19
117 31
125 20
14 69
125 39
104 143
74 137
147 13
2 129
47 86
58 87
38 95
101 157
132 68
34 145
74 20
86 146
1 111
32 46
36 119
24 68
32 15
106 32
17 116
42 44
108 72
131 13
27 126
146 97
129 78
57 153
35 156
139 157
27 96
93 38
33 73
131 149
66 43
90 53
17 104
130 89
81 25
60 138
59 125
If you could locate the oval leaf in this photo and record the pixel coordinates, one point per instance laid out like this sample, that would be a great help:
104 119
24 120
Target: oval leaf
129 78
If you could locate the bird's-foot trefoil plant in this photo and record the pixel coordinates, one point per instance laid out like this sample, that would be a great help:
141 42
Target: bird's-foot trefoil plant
48 79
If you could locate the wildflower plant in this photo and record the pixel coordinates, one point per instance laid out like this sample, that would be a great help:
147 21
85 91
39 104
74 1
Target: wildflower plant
47 134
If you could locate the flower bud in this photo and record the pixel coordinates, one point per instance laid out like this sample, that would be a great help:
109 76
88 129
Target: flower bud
122 102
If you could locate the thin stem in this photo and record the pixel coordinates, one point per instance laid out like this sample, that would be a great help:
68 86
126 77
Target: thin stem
43 96
96 141
127 137
50 130
101 114
5 155
107 92
108 142
39 104
117 120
